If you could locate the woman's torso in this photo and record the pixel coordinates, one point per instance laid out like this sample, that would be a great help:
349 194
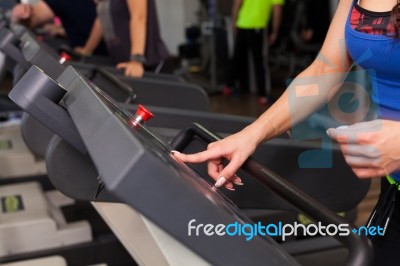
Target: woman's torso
115 19
371 43
77 22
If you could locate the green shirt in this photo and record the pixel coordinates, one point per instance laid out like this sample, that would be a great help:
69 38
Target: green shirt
255 14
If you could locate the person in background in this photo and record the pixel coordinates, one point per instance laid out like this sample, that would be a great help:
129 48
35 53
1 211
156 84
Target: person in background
250 20
77 18
131 31
362 32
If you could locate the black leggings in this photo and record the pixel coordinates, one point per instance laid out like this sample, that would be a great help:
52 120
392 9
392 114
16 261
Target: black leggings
387 248
253 40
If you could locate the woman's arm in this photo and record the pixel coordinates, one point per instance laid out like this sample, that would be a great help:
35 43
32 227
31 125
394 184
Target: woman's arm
96 34
311 88
234 12
138 31
314 86
32 15
276 21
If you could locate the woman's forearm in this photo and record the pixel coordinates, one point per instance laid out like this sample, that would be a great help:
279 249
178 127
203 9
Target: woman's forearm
138 26
95 37
311 89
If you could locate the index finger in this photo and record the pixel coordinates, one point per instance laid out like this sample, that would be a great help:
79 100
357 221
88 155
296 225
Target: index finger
197 157
342 136
346 134
121 66
350 134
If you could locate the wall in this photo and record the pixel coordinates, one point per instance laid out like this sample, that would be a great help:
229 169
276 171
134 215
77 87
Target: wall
174 15
333 4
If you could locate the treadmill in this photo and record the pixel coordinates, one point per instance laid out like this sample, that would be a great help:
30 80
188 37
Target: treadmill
174 118
134 166
152 89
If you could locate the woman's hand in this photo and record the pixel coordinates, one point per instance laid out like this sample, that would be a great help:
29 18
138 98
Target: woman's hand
132 69
235 148
372 149
272 38
82 51
21 12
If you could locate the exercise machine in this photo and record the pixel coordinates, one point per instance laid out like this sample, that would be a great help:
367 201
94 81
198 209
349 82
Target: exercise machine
134 166
31 220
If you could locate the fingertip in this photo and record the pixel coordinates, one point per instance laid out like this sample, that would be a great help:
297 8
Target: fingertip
121 65
178 155
335 131
328 132
229 186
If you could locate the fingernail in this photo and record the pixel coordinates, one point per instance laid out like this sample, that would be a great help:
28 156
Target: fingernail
175 152
231 189
220 182
327 132
238 181
342 127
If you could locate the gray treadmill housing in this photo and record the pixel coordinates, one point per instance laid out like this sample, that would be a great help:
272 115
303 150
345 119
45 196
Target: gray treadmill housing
152 89
85 68
139 170
41 101
67 167
35 135
3 20
157 91
40 55
8 45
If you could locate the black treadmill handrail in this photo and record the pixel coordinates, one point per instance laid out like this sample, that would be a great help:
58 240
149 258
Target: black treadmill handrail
360 248
115 81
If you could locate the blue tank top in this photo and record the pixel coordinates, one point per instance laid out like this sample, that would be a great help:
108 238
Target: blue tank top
381 55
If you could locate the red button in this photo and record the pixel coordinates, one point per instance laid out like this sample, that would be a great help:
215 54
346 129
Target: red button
64 57
145 114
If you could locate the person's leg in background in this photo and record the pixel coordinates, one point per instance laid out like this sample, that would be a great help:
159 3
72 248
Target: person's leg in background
238 70
256 46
